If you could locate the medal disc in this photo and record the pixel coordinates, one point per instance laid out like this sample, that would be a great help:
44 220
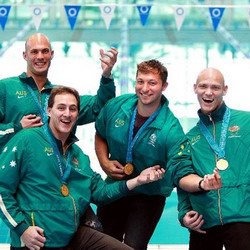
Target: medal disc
222 164
128 169
64 190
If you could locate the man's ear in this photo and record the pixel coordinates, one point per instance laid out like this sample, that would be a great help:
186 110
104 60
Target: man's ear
52 54
195 87
225 88
48 112
164 86
24 55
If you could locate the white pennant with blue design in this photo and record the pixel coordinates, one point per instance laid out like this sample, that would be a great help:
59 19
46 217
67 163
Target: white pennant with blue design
216 15
144 12
179 14
107 12
37 14
72 13
4 13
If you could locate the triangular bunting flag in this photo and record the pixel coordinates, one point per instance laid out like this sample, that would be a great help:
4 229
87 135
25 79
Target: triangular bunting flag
72 13
37 15
144 13
179 14
107 12
4 13
216 15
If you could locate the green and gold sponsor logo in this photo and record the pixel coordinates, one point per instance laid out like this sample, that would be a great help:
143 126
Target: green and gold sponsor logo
119 122
234 131
21 93
195 139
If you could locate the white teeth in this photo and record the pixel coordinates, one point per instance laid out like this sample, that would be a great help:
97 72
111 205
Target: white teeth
207 100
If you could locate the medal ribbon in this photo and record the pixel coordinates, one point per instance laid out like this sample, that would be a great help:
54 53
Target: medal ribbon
131 141
63 169
42 111
218 149
66 169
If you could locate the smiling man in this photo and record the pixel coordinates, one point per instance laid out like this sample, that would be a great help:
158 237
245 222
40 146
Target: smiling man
136 131
220 139
23 98
46 184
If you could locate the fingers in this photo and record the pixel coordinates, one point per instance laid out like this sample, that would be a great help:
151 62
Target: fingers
212 181
193 221
110 56
155 174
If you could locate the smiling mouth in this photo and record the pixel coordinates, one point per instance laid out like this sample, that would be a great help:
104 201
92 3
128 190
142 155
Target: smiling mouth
207 100
66 122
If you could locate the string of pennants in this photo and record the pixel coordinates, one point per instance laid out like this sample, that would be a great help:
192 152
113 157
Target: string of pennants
107 12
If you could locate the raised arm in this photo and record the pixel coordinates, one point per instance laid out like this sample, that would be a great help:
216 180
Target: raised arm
91 105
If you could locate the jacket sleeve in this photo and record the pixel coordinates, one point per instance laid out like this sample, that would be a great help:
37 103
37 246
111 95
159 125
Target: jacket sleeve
179 163
183 204
91 105
103 193
10 175
7 130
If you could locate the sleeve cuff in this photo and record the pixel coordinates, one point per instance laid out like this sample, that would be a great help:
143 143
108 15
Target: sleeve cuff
17 127
21 228
106 80
124 188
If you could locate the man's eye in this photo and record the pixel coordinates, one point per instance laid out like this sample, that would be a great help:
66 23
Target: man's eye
152 83
45 51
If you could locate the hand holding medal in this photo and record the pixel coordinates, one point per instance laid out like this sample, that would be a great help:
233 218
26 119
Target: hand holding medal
128 169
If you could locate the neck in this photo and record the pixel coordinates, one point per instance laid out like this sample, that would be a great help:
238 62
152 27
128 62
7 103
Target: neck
146 110
40 80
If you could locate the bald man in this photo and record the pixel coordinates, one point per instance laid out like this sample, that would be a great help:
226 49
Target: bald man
220 139
23 98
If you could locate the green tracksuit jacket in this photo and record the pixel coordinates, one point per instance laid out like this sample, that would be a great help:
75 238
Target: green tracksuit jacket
30 185
231 202
16 101
163 142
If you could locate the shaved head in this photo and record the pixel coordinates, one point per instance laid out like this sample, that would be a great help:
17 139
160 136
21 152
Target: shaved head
37 38
211 73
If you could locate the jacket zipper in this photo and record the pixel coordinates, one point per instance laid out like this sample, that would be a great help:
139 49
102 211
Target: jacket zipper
218 191
75 210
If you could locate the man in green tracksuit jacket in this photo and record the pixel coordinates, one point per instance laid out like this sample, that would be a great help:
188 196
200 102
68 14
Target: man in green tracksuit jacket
46 183
23 99
220 139
133 132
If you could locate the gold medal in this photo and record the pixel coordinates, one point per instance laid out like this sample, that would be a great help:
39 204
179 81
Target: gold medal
64 190
222 164
128 169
